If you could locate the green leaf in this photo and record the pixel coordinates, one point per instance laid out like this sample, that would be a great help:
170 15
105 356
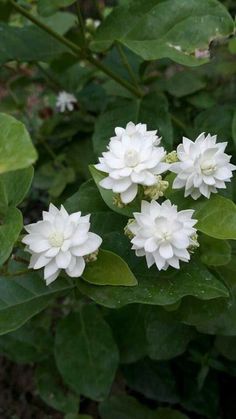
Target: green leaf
109 269
226 345
23 297
128 327
10 229
87 199
166 336
154 380
234 128
158 288
127 407
167 413
151 110
29 43
124 407
215 316
217 120
108 196
182 28
214 252
60 22
48 7
86 354
216 217
27 344
52 391
184 83
16 149
14 186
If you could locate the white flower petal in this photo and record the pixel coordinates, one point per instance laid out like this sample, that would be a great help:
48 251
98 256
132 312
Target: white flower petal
77 269
65 233
92 243
129 195
63 259
166 250
162 234
202 164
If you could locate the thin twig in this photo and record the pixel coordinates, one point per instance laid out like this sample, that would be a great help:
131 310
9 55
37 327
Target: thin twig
78 51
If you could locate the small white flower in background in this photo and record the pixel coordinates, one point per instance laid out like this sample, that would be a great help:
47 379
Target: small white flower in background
133 158
203 167
162 234
60 241
92 24
65 101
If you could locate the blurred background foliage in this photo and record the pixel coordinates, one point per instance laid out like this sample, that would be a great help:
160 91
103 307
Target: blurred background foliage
188 366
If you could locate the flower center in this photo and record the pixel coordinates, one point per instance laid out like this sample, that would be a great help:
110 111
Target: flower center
208 167
131 158
56 239
166 236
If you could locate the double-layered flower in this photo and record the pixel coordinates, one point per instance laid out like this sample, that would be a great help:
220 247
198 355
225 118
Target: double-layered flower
162 234
133 158
203 166
60 241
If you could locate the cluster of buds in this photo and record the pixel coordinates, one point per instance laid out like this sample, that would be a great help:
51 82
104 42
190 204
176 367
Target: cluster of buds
157 190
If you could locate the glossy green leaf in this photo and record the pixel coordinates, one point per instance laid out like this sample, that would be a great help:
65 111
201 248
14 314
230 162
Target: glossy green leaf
14 186
27 344
216 316
108 196
214 252
216 217
109 269
182 28
10 229
86 354
28 44
166 336
16 149
52 391
157 288
87 199
151 110
23 297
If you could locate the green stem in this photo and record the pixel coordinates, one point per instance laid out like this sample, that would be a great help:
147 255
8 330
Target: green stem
87 55
81 24
115 77
126 64
17 273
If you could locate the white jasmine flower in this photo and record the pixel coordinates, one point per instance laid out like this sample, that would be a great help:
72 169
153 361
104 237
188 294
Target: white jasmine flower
132 159
65 101
162 234
203 166
60 241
